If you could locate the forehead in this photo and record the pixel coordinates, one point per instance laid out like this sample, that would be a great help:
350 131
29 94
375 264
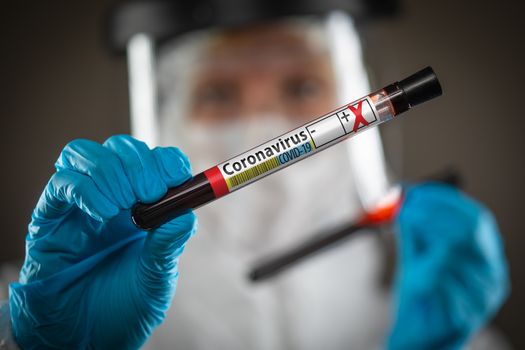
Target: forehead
265 44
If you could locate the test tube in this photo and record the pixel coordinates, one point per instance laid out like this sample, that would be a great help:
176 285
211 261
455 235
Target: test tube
289 148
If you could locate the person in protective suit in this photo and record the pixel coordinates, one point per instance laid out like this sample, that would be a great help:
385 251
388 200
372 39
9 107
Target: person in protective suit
215 79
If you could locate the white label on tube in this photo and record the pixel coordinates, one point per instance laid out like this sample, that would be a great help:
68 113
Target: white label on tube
297 144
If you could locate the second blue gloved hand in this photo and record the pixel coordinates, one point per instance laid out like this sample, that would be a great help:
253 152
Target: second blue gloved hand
91 279
452 274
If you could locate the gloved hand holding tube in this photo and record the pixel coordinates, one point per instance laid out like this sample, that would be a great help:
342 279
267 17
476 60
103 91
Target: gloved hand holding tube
452 274
91 279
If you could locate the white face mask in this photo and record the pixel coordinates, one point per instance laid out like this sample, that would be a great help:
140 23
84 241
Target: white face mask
289 206
209 144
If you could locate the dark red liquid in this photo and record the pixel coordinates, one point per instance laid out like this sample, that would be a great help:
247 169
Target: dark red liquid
192 194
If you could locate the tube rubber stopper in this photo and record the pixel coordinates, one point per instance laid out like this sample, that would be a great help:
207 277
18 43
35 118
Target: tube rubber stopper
421 86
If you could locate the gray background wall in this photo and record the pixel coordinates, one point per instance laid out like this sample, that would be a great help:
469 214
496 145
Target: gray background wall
57 84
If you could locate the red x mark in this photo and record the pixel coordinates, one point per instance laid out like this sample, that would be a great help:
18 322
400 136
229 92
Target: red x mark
359 119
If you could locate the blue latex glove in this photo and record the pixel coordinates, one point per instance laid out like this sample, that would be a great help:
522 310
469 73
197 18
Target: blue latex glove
91 279
452 274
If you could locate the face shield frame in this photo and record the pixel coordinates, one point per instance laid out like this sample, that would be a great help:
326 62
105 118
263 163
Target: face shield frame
369 168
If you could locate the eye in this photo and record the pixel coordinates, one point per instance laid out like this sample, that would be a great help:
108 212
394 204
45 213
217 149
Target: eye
215 94
302 88
215 99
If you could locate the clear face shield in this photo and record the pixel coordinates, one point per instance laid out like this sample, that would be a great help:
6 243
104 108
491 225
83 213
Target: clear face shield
217 93
229 90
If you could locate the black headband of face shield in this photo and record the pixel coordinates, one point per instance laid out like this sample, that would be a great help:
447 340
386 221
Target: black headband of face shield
164 19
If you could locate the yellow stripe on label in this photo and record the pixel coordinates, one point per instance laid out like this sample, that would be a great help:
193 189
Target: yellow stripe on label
254 171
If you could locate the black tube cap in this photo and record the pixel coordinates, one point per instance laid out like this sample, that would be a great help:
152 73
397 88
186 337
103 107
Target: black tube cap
421 86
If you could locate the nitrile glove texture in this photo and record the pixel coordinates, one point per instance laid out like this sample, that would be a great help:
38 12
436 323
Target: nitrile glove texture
90 278
452 272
